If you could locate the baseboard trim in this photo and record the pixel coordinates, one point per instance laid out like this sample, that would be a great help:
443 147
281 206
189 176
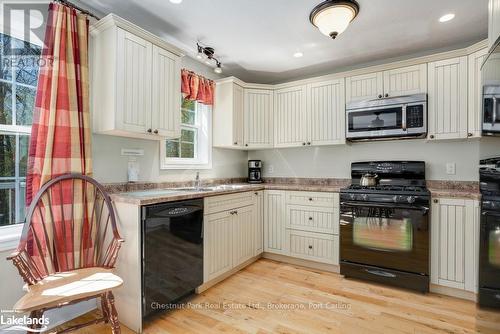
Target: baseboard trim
303 263
452 292
227 274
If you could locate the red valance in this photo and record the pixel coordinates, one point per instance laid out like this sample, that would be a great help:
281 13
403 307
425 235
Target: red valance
197 88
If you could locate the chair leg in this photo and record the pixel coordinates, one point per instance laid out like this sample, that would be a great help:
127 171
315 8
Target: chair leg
37 314
104 307
112 314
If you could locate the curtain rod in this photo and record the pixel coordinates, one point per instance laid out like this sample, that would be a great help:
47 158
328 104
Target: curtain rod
80 9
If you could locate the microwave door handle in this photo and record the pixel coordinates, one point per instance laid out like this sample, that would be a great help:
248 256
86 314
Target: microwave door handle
404 117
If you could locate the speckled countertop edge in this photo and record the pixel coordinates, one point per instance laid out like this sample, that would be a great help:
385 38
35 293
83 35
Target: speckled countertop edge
121 192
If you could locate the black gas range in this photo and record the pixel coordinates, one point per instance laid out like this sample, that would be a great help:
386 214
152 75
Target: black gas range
489 235
384 229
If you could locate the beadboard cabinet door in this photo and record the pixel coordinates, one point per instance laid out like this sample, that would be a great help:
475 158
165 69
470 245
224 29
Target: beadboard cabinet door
244 232
493 22
474 112
218 244
274 222
259 222
405 80
133 89
455 243
166 101
364 87
290 122
228 115
258 118
326 111
447 99
238 117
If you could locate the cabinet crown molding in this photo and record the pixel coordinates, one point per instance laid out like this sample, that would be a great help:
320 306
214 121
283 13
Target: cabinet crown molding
113 20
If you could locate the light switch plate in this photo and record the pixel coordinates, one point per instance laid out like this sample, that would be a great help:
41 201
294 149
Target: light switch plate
270 169
450 168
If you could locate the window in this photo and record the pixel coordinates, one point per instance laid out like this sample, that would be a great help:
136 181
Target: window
18 79
193 149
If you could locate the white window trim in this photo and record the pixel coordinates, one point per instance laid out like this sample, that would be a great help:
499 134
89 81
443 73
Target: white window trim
203 158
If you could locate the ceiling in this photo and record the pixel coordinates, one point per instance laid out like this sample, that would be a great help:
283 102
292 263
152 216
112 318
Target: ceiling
256 39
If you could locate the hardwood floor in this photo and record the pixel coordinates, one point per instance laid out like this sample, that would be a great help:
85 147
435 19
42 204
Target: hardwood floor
317 302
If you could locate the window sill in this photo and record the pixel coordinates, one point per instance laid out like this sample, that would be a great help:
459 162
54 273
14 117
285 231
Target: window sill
9 236
183 165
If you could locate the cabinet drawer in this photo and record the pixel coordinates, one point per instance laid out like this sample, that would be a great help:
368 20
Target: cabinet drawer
314 246
313 219
327 200
228 202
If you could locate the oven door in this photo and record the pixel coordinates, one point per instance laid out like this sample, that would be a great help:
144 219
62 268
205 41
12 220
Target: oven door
489 258
376 122
385 235
491 114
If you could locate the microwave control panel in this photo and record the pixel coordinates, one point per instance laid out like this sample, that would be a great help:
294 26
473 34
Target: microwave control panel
415 116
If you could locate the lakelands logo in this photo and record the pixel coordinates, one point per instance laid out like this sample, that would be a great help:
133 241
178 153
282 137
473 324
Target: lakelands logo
12 323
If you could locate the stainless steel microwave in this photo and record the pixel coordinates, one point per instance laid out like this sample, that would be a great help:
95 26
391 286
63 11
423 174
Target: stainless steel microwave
490 73
394 117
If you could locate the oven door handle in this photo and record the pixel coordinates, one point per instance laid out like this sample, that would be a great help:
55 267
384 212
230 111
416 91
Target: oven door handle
403 118
380 273
425 209
494 117
490 213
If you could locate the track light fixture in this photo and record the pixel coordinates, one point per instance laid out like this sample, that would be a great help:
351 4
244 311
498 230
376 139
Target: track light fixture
207 53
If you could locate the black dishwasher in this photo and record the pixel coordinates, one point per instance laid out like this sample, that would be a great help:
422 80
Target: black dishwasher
172 253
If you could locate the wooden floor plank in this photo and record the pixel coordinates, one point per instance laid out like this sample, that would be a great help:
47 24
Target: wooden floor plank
317 302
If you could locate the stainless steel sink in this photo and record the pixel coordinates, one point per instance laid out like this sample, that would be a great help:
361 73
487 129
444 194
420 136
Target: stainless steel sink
189 189
229 186
154 193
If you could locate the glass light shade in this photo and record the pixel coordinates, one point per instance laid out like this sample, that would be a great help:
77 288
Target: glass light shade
333 21
218 70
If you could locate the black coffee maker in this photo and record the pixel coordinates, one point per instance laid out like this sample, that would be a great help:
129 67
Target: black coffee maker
254 171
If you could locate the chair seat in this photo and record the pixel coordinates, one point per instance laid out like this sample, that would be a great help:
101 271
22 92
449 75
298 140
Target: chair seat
66 287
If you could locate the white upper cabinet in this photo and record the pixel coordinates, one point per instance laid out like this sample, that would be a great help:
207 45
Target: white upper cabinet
326 112
474 112
166 80
135 81
396 82
364 87
455 243
228 115
258 118
405 81
493 22
290 117
447 99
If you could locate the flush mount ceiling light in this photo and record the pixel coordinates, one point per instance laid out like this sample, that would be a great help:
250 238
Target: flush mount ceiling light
332 17
298 54
207 53
447 17
176 1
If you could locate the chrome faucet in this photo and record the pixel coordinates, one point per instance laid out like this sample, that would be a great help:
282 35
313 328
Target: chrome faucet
197 181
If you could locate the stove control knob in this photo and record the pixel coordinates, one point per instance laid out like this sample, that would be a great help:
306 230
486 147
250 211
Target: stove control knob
364 197
395 198
411 199
352 197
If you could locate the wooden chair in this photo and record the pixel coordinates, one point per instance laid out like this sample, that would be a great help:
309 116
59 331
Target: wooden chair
68 249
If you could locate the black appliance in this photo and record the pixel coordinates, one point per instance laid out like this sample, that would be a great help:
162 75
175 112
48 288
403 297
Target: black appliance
491 91
384 229
172 253
254 171
387 117
489 235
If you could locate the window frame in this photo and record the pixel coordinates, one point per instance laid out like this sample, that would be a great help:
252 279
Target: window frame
203 143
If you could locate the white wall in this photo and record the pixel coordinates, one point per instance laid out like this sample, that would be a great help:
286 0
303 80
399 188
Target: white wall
334 161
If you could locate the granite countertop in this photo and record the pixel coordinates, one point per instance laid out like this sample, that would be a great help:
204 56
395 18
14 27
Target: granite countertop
151 193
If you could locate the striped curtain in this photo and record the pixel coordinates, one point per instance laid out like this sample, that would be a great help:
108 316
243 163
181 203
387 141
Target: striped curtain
60 136
197 88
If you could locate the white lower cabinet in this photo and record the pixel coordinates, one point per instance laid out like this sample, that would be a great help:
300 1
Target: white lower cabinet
232 231
302 224
455 243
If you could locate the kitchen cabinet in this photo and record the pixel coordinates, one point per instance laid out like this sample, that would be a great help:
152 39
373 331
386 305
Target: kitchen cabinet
447 99
396 82
135 76
232 232
326 112
274 222
258 118
493 22
290 117
475 89
316 247
259 216
228 115
455 243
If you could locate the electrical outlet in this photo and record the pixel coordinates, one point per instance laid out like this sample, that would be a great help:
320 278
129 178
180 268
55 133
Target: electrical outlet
450 168
270 169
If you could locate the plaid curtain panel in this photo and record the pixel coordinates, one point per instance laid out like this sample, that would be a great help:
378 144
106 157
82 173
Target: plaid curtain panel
60 137
197 88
